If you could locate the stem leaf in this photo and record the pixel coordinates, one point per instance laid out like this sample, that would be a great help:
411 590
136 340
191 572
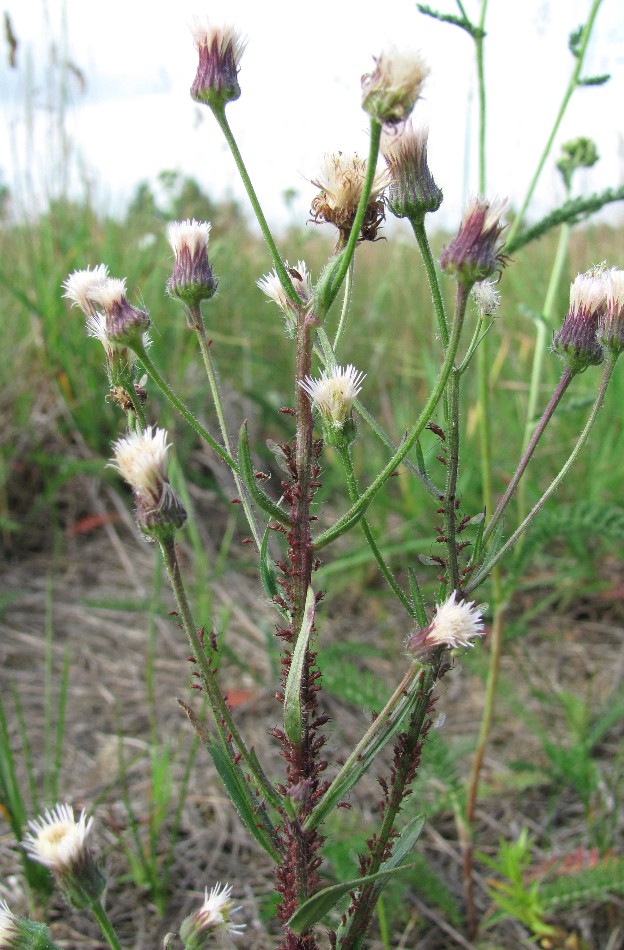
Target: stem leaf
315 908
248 476
292 693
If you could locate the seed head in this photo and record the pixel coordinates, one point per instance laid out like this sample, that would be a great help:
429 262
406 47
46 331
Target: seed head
576 342
611 324
476 252
390 91
59 842
220 49
79 286
486 297
455 624
341 182
413 191
141 458
192 279
213 918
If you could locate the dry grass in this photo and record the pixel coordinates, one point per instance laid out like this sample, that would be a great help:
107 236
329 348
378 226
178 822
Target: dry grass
98 572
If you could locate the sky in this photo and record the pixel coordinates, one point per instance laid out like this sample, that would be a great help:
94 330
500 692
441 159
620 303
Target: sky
300 79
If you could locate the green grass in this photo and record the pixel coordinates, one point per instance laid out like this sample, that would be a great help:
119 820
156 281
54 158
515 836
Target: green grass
49 367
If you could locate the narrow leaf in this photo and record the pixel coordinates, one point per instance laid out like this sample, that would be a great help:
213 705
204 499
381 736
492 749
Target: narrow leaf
315 908
417 597
292 693
248 475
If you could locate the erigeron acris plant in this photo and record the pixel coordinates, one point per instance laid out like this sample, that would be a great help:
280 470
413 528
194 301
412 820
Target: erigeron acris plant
286 813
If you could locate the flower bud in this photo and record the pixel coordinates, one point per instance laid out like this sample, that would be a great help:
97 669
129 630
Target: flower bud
576 342
475 254
213 919
578 153
333 395
192 279
125 325
220 49
390 91
413 192
455 624
141 458
271 285
341 182
59 842
611 324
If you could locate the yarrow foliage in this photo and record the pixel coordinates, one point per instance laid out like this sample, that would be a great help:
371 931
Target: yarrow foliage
455 624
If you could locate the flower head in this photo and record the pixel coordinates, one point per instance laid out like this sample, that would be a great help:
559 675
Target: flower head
413 191
220 49
455 624
576 342
59 842
19 933
213 917
476 252
192 279
333 395
341 181
79 286
390 91
125 325
486 297
141 458
611 324
300 278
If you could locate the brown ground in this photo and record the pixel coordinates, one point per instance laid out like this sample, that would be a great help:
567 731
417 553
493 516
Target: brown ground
86 591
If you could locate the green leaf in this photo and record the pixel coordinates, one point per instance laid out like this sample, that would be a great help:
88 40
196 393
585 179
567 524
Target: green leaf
267 574
292 693
315 908
249 477
251 812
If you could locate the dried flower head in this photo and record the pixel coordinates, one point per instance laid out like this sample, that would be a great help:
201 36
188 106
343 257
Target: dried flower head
390 91
611 324
192 279
476 253
59 842
413 191
125 325
212 918
333 395
455 624
300 278
220 49
341 182
576 342
486 297
80 285
141 458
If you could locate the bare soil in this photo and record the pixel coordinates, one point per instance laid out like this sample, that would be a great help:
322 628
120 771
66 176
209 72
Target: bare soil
85 588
